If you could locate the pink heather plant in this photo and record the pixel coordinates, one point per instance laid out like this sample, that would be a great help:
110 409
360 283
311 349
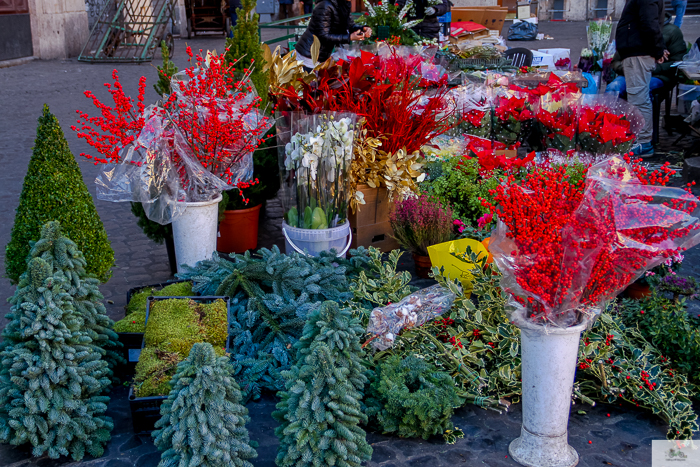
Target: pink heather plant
421 222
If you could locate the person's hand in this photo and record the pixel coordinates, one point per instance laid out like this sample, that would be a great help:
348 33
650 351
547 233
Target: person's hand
367 31
430 11
357 36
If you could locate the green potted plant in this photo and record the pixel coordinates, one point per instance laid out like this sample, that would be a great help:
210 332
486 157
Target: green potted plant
419 222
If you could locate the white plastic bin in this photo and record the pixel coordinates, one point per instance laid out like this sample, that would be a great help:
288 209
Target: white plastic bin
313 241
687 93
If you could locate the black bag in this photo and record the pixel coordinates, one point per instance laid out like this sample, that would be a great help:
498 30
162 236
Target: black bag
522 31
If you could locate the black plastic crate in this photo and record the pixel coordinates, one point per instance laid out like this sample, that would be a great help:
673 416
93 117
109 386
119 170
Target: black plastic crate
131 341
145 411
131 349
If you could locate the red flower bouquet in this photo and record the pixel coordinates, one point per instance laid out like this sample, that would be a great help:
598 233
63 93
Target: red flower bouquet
607 125
565 248
474 109
513 118
558 123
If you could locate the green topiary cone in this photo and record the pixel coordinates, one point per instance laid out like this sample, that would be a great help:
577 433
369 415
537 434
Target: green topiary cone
54 190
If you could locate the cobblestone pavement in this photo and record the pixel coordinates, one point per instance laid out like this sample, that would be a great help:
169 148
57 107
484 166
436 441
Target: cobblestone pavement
621 439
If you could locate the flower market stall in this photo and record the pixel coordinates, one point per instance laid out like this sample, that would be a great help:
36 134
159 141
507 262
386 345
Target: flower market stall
514 192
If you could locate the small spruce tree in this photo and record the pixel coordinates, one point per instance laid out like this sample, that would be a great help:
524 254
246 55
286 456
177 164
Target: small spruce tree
52 377
54 190
203 420
165 72
320 412
63 255
245 45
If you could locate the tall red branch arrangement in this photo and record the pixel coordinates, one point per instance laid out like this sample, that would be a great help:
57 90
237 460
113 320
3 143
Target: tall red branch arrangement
565 246
387 92
217 115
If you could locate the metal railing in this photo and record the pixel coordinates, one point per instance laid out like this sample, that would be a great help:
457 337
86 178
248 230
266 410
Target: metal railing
282 24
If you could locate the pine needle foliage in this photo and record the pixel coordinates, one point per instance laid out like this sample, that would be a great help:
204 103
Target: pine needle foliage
273 294
245 46
162 86
412 398
52 378
320 411
54 190
63 255
203 421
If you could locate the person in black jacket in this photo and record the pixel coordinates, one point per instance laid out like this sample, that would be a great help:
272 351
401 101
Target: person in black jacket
640 44
332 24
428 11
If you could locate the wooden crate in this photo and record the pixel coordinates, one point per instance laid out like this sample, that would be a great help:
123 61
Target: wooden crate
370 224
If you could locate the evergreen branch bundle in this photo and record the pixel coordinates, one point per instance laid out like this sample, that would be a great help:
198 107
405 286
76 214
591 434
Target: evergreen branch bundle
320 411
411 398
273 294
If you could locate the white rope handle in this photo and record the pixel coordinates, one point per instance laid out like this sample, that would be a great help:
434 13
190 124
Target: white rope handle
296 248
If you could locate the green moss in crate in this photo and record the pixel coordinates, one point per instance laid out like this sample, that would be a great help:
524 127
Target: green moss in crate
135 322
173 325
153 372
139 299
214 319
178 289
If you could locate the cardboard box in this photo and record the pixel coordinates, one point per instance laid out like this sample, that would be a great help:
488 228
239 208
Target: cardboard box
370 224
495 18
523 11
464 14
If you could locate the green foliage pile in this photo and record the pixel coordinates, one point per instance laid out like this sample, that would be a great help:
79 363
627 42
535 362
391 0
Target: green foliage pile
380 284
203 421
135 319
320 411
53 189
173 327
165 72
477 345
52 376
245 49
460 186
273 294
668 325
412 398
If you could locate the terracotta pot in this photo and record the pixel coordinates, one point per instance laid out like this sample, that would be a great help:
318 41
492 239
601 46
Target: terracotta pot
238 232
638 291
423 265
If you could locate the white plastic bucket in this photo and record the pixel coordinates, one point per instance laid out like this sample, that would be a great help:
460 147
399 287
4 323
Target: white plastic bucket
313 241
194 232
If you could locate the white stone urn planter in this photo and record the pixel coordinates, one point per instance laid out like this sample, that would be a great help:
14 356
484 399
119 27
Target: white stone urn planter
549 356
194 232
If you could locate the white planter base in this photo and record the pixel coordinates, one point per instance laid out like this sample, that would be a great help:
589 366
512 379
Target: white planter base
532 450
548 368
194 232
